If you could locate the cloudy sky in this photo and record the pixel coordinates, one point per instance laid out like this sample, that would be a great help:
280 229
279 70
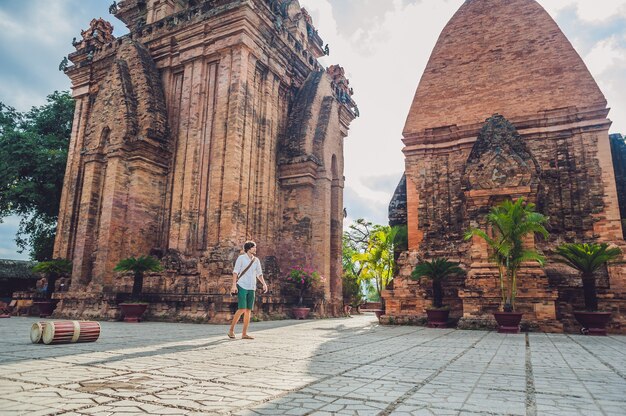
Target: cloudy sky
384 46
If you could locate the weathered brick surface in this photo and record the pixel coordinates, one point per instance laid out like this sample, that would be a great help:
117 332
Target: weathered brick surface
504 62
549 144
211 123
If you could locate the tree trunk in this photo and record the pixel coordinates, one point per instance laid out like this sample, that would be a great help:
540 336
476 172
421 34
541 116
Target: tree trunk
301 295
379 289
52 281
137 285
589 289
508 304
437 293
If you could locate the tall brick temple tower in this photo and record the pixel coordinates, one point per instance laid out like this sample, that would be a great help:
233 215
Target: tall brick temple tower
210 123
506 108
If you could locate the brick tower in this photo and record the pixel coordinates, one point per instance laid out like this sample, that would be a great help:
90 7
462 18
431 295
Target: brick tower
506 108
210 123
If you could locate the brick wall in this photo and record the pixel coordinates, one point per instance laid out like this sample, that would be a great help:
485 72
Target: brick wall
207 126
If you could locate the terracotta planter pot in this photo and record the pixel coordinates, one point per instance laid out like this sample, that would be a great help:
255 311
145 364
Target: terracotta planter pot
508 322
593 323
46 307
132 311
300 313
437 318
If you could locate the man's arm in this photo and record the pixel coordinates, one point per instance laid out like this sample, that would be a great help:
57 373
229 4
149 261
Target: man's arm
233 287
260 277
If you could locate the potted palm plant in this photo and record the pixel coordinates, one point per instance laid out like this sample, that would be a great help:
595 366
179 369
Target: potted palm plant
510 223
587 258
52 269
437 270
135 307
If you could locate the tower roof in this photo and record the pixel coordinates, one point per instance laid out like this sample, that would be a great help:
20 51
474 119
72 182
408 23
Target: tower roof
499 56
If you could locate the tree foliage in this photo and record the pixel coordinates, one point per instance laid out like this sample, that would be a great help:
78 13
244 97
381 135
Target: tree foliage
587 259
138 266
368 256
33 155
510 223
437 270
53 269
376 262
354 241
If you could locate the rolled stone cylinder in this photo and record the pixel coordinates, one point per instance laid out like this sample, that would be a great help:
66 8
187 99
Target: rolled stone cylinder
65 332
36 332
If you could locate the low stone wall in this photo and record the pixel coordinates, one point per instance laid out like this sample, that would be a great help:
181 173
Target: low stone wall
200 308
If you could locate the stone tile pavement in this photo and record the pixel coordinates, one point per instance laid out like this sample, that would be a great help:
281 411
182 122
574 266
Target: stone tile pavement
349 366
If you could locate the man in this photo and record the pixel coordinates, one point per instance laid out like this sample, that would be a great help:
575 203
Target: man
247 270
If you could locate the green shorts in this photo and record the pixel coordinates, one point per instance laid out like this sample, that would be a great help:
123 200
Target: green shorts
245 298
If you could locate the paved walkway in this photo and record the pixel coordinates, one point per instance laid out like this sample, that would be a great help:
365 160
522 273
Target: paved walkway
348 366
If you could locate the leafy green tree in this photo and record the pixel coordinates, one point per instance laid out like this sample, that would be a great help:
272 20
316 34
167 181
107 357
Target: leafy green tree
33 155
587 259
377 261
351 290
355 240
510 223
138 266
351 268
437 270
53 269
358 235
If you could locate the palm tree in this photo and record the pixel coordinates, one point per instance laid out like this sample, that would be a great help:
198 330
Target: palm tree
138 266
436 270
53 269
510 223
587 258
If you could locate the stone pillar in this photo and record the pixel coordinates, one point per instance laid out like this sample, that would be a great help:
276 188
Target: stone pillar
70 202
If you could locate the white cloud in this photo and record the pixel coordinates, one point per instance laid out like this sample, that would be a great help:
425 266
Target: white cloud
588 10
605 54
9 27
607 63
47 23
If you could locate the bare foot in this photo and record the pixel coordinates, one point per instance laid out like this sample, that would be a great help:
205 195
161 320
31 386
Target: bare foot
246 337
231 335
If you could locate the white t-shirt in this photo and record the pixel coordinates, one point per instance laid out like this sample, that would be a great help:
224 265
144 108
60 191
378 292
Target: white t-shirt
248 279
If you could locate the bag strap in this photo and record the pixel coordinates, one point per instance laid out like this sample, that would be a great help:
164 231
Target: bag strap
247 267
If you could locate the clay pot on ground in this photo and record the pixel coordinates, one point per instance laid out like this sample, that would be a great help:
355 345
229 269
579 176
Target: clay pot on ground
132 312
438 318
508 322
593 323
300 312
46 307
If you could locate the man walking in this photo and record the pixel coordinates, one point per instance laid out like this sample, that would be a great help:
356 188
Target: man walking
247 270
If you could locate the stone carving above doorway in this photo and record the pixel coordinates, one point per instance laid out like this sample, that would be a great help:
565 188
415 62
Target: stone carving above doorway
500 159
